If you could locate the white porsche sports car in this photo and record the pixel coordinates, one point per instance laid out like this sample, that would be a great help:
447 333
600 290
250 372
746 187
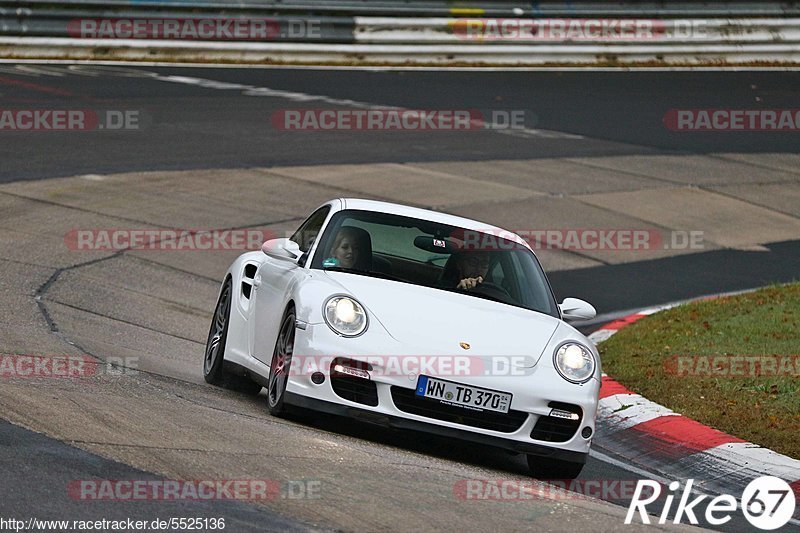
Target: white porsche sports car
412 319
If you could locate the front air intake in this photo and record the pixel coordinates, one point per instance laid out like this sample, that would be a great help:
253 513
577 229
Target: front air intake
351 380
561 424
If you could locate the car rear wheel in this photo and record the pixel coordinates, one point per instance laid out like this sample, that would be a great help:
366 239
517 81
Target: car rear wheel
544 468
281 362
214 362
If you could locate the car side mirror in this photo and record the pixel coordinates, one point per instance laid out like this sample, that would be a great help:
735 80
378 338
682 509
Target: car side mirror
285 249
575 309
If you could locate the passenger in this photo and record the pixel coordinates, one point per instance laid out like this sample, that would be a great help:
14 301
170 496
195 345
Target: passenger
349 248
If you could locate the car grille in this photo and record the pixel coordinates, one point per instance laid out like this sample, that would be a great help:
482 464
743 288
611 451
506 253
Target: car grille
355 389
552 429
408 402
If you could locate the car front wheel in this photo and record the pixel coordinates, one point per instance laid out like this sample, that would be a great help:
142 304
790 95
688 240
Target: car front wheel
281 362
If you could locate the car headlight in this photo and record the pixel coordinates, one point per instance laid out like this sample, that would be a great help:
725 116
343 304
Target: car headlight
575 362
345 316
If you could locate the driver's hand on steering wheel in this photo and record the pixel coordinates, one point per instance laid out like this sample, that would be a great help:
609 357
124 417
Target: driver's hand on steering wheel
469 283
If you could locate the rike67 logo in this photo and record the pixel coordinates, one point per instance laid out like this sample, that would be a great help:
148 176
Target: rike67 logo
768 503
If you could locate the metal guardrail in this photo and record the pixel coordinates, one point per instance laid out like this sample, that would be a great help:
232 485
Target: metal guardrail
669 32
782 55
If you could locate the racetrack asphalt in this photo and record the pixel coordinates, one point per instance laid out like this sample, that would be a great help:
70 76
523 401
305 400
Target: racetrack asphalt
190 126
207 157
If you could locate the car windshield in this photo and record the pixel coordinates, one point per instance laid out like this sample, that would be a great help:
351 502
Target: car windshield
439 256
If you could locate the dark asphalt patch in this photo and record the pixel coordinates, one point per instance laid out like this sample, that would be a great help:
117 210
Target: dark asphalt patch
37 470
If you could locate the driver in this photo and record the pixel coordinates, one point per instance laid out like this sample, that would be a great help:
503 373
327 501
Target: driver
472 269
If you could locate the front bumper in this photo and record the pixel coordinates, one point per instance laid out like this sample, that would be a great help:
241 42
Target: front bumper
533 393
372 417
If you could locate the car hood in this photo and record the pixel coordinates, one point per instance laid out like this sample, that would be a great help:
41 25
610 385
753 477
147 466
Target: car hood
432 321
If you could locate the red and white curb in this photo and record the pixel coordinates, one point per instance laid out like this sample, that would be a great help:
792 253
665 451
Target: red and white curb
661 440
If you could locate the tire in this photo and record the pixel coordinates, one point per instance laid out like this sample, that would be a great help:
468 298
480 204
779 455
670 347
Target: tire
544 468
214 361
280 364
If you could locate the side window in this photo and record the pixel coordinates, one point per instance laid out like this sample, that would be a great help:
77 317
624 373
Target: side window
503 275
309 230
497 274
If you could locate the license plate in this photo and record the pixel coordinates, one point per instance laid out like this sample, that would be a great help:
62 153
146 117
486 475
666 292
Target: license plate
461 395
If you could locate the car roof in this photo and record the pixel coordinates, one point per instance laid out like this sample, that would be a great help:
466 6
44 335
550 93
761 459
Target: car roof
427 214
